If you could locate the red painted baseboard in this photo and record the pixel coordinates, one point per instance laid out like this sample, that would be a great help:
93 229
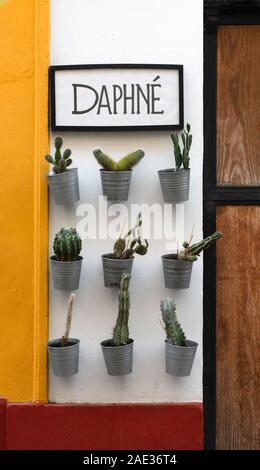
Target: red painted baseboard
3 423
110 427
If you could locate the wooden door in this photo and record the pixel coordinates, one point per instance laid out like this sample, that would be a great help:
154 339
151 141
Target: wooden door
238 253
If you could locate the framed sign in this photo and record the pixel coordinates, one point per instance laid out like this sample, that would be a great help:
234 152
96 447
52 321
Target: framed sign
116 97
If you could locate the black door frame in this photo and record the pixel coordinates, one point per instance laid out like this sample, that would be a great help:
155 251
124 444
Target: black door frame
219 12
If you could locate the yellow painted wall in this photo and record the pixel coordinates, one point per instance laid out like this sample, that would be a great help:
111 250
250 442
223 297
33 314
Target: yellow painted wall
24 60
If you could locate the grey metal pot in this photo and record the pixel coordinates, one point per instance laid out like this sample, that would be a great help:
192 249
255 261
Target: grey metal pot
66 274
113 269
175 185
64 187
177 273
118 359
115 184
64 361
179 359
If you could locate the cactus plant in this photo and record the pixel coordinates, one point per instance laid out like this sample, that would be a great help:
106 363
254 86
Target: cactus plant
173 329
121 330
126 246
60 162
191 252
67 245
182 160
124 164
65 337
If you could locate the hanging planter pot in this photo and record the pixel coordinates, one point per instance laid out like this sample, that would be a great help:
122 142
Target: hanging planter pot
66 274
115 184
175 185
177 273
179 359
118 359
66 263
113 269
63 182
116 176
64 360
64 187
179 351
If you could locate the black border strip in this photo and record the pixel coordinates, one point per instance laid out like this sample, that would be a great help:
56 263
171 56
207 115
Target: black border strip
52 120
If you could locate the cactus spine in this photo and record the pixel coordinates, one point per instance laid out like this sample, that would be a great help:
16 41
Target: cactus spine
121 331
173 329
60 162
191 252
67 245
126 163
182 156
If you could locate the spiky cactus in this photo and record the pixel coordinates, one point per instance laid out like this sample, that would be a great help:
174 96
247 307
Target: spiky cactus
60 162
121 330
124 164
173 329
129 244
191 252
182 156
67 245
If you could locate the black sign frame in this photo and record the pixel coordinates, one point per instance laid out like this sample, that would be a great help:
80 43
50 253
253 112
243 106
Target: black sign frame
52 98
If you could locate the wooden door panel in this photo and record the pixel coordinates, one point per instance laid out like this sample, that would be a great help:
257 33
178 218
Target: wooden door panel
238 105
238 328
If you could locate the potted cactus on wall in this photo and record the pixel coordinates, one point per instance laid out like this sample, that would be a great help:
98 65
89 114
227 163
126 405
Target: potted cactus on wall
122 258
118 351
66 261
63 181
64 352
116 176
175 182
177 267
179 351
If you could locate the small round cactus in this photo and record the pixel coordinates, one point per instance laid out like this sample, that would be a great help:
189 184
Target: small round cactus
67 245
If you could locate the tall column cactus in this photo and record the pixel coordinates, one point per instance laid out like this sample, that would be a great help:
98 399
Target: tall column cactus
121 330
173 329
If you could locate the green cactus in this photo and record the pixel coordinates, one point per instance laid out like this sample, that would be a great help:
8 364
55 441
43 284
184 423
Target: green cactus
60 162
125 247
104 160
173 329
191 252
67 245
130 160
124 164
121 330
182 159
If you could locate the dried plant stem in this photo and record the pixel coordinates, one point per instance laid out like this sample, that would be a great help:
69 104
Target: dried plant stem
64 340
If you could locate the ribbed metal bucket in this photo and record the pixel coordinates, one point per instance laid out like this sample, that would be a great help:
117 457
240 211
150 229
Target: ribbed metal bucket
66 274
115 184
64 361
175 185
179 359
114 268
118 359
64 187
177 273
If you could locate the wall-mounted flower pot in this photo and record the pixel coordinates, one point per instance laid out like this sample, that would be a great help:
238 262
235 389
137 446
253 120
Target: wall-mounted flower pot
64 187
115 184
118 359
64 360
177 273
113 269
175 185
66 274
179 359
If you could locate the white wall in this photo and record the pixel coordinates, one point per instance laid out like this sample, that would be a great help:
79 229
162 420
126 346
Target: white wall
134 31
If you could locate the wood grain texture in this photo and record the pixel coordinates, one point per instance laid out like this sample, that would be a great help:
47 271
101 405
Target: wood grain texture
238 105
238 328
